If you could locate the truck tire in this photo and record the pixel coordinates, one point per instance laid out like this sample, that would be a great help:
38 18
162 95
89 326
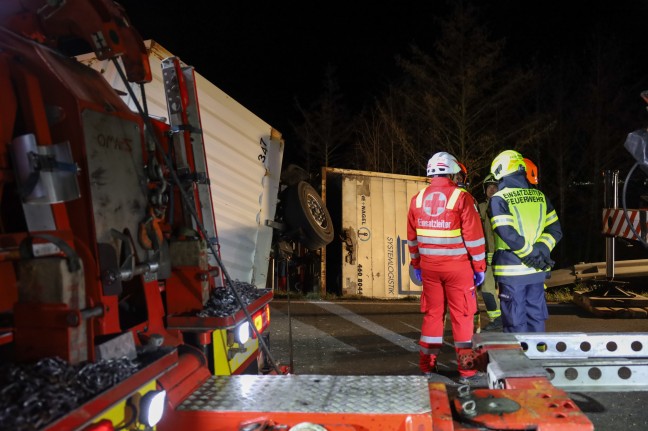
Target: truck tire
306 212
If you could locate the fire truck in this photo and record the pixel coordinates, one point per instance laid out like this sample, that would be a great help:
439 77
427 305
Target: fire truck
117 312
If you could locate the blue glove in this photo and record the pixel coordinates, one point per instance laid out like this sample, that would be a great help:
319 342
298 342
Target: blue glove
479 277
417 275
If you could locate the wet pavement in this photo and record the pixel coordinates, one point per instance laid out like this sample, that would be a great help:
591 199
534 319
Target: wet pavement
379 338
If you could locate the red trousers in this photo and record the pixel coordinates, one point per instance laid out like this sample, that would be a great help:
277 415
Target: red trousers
454 288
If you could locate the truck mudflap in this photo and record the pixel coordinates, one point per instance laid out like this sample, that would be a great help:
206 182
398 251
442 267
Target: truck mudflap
334 402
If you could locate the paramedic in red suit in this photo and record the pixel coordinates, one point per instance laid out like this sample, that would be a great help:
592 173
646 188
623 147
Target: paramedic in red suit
447 252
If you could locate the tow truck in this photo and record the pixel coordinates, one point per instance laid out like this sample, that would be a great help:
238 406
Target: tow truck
113 288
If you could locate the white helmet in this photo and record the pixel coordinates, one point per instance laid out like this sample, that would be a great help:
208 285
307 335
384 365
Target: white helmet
442 164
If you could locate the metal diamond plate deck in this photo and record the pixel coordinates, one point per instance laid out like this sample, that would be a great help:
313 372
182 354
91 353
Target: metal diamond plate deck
312 393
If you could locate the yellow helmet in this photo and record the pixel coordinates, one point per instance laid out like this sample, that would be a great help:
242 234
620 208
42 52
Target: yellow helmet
506 163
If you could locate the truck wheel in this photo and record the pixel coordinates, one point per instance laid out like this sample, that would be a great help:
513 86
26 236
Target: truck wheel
306 212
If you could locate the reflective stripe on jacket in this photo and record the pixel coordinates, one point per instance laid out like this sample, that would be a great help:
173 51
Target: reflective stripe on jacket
443 227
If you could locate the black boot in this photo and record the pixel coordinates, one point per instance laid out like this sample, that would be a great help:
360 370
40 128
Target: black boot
494 325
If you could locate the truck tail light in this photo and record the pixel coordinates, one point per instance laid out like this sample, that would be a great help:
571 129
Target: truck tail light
258 322
261 319
102 425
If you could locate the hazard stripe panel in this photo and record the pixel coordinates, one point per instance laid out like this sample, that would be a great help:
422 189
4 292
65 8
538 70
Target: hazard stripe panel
616 224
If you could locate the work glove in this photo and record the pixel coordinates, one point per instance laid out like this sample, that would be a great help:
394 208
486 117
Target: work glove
542 248
548 264
534 260
417 275
545 253
479 277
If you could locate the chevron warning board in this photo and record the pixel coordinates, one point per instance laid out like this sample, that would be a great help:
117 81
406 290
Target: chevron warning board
616 224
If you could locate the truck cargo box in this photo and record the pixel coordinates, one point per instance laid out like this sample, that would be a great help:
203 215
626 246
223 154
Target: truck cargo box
369 257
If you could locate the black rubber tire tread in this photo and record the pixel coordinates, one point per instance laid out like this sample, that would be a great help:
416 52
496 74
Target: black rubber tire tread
299 216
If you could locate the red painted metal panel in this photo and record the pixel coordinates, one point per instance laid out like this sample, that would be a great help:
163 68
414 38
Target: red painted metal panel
186 377
194 322
542 407
85 413
441 411
227 421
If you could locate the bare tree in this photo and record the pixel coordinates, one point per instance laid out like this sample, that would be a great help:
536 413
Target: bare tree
461 99
383 142
326 129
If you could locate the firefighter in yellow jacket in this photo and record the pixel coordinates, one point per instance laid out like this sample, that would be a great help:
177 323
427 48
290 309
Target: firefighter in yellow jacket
526 231
446 245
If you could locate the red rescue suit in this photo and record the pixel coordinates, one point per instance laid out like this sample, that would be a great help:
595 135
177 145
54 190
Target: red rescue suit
446 241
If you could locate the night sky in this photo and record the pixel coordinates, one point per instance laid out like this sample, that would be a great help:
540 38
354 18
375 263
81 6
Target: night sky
266 55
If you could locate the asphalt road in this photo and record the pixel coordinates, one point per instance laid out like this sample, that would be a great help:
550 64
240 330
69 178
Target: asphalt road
379 338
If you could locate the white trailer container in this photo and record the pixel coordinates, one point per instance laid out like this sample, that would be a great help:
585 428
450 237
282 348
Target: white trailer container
369 211
244 156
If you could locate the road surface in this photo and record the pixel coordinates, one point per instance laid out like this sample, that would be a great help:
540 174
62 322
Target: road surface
379 338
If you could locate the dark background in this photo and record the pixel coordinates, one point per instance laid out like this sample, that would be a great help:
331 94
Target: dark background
268 54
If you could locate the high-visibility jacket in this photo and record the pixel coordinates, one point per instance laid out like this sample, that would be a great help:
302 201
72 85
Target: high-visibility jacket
443 227
521 216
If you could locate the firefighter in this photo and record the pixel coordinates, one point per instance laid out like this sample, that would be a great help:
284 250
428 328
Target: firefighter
489 287
446 245
526 231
